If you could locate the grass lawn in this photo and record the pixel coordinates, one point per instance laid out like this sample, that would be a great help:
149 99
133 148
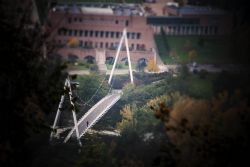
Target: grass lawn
209 49
79 66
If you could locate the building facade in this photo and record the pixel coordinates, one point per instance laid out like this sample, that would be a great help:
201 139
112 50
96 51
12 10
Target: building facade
192 20
98 28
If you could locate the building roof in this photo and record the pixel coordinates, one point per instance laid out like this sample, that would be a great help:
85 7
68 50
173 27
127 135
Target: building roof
200 10
163 20
197 10
101 8
97 10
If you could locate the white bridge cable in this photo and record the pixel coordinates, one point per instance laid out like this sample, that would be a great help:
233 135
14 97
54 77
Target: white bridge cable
111 84
82 103
92 97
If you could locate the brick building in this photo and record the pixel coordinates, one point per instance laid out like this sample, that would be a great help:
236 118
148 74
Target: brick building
192 20
98 29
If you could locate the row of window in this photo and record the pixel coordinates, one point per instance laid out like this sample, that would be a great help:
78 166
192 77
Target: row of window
193 29
107 45
96 34
80 20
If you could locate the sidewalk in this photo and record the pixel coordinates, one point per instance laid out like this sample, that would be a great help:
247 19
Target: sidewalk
78 72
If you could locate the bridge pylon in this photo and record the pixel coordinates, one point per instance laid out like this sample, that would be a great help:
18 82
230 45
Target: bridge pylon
123 39
68 86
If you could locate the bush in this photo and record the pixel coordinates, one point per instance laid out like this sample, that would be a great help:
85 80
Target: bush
119 66
203 73
152 66
93 68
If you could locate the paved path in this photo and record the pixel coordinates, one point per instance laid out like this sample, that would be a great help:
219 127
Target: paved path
208 67
78 72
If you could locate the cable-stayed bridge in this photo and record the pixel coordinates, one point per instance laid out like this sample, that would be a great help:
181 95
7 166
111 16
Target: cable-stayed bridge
96 112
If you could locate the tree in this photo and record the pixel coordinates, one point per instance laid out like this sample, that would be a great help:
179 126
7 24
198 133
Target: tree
181 2
73 42
152 66
30 84
211 132
192 55
127 118
201 42
173 53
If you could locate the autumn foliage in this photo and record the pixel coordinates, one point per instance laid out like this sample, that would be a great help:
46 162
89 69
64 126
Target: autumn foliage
204 130
152 66
192 54
73 42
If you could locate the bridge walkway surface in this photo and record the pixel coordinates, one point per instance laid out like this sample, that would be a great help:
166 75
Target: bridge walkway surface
94 114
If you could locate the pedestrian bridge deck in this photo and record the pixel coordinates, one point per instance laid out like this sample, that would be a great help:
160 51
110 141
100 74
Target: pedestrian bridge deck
94 114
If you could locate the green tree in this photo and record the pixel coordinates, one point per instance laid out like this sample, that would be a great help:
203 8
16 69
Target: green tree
30 83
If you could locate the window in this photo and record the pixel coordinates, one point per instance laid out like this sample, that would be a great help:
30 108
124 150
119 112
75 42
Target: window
106 34
210 29
117 34
80 19
80 33
178 29
137 46
70 32
126 23
81 43
75 19
215 30
142 47
90 44
206 30
133 35
101 45
59 31
116 22
91 34
75 32
196 29
106 45
201 29
116 45
101 34
112 34
69 20
85 44
96 33
128 35
86 33
65 32
138 35
96 45
192 29
132 46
